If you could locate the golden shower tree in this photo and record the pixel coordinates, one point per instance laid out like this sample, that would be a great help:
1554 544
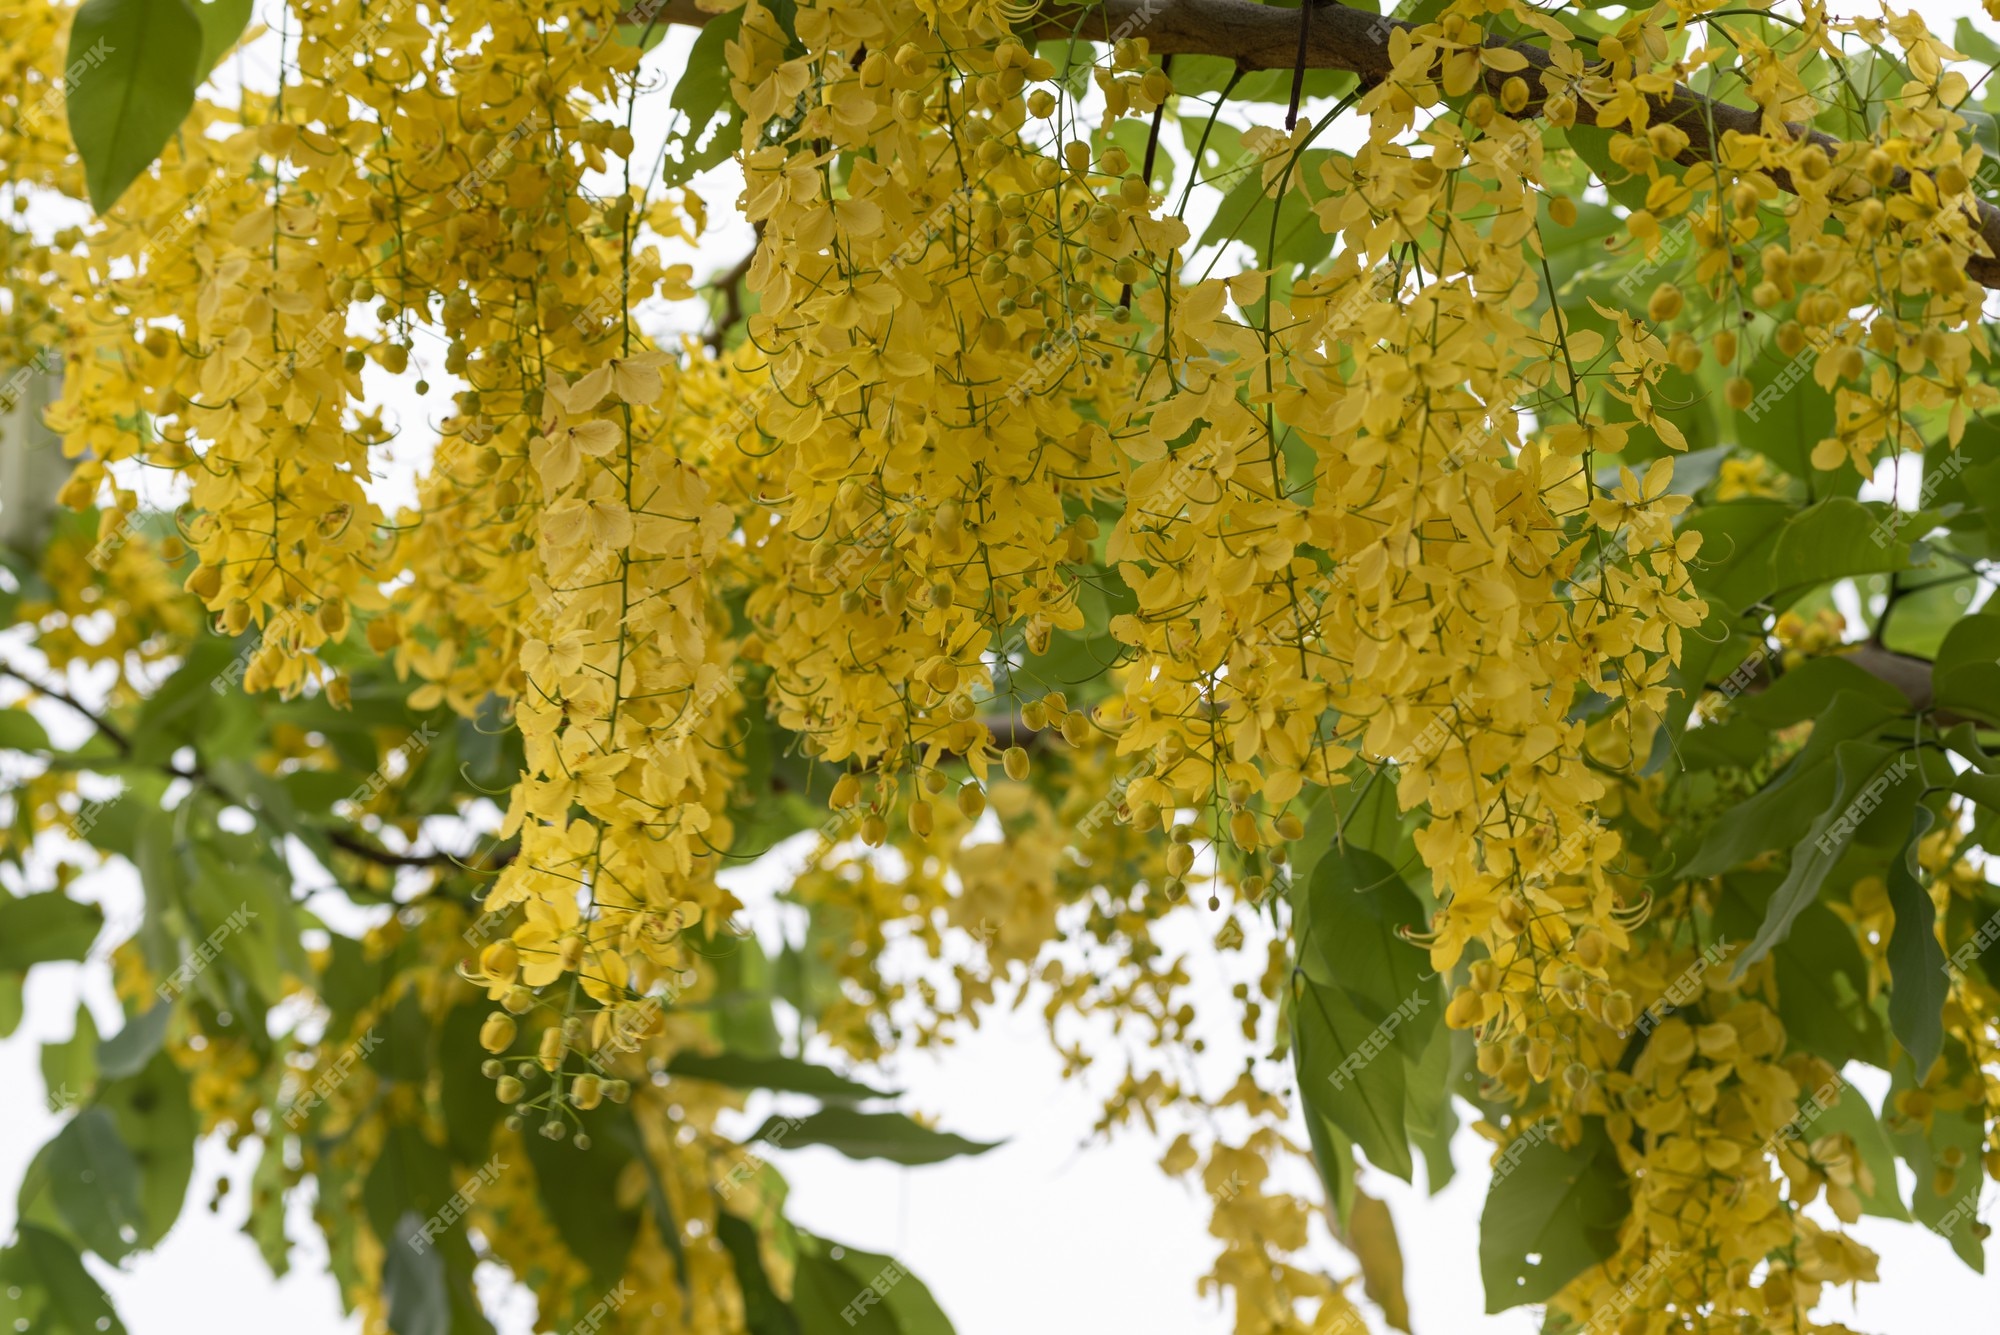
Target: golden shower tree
1481 517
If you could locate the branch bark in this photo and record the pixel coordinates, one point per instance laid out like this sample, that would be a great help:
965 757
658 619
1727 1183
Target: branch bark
1263 37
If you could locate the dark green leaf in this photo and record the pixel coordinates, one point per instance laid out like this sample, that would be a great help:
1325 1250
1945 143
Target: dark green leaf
839 1290
1863 770
764 1313
1350 1073
786 1074
1560 1207
140 62
53 1282
1833 540
579 1190
413 1281
1919 982
157 1123
1966 677
867 1135
95 1182
1353 935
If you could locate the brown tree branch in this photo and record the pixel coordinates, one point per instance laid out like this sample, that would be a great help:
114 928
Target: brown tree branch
1262 37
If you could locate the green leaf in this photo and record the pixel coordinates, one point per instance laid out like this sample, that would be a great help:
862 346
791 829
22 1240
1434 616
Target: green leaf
1353 935
53 1284
1350 1073
764 1313
222 22
1428 1109
702 98
1862 770
1333 1155
266 1224
839 1290
127 1051
413 1281
579 1190
157 1123
69 1068
1737 539
1919 982
35 929
20 731
1790 420
1550 1219
786 1074
1953 1212
95 1182
142 60
867 1135
1965 679
12 1004
1833 540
